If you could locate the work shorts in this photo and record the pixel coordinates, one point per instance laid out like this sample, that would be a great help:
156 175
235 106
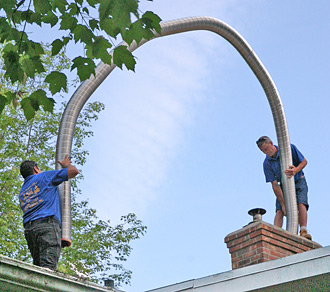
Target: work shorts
301 193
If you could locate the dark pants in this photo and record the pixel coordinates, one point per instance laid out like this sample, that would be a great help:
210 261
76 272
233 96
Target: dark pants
44 241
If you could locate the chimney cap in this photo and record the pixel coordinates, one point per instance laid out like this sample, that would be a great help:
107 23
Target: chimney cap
256 211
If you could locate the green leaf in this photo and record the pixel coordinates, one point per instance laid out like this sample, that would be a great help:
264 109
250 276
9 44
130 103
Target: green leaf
23 47
57 46
60 5
123 56
94 24
66 40
152 21
50 18
85 67
137 32
31 66
38 98
42 6
35 49
99 50
29 111
38 64
8 6
143 28
14 34
43 100
74 9
31 17
110 27
105 9
83 33
57 81
4 28
10 48
68 22
28 66
10 95
121 12
34 103
13 68
92 3
17 18
3 101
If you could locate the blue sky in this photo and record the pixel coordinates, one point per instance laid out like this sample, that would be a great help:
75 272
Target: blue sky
176 143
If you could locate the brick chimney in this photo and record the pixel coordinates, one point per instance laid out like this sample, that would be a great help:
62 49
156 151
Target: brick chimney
261 242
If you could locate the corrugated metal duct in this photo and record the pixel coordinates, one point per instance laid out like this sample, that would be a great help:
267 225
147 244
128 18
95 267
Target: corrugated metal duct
86 89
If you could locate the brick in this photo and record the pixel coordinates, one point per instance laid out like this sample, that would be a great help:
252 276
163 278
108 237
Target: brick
283 251
252 229
240 252
244 262
249 254
276 254
290 247
240 233
260 242
256 233
235 261
304 247
236 241
257 257
261 261
230 237
246 243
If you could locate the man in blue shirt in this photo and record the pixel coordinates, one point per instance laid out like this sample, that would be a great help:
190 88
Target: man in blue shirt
41 206
272 170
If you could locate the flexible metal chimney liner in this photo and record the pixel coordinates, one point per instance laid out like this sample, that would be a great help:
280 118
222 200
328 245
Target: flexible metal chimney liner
86 89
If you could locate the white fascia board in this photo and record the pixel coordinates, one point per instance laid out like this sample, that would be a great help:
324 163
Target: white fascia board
283 270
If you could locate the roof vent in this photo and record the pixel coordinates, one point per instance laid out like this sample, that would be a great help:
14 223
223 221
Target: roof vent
257 214
109 283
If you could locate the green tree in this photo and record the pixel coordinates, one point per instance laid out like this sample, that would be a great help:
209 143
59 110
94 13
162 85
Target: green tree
95 24
98 249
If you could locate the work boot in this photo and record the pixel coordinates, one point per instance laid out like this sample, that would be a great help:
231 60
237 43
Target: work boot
304 233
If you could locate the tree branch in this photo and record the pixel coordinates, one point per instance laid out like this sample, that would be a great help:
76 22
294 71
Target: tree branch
29 139
19 4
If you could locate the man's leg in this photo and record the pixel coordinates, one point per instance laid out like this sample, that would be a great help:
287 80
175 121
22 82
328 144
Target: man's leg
302 200
49 244
30 237
278 221
302 215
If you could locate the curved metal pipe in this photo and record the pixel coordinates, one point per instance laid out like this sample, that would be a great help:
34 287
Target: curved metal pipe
85 90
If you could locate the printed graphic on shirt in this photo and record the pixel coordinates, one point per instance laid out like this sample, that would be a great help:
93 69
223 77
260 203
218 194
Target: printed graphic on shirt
30 197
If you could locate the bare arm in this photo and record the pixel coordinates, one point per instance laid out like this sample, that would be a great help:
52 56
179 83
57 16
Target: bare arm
279 195
66 163
292 170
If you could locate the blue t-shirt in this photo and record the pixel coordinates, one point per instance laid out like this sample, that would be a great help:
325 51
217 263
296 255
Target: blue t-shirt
39 197
272 167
